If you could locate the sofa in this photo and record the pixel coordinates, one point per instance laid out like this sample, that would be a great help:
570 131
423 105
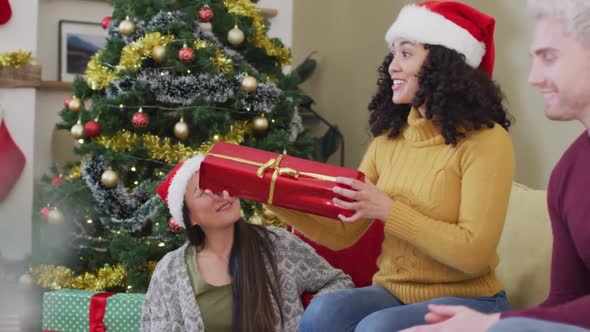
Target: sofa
524 250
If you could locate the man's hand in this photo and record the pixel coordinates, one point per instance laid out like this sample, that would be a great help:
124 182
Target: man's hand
446 318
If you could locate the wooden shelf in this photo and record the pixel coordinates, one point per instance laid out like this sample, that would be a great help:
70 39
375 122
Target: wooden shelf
56 86
27 76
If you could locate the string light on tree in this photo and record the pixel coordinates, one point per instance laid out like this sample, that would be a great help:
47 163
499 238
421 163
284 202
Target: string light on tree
260 124
235 36
181 130
159 53
140 119
249 83
109 178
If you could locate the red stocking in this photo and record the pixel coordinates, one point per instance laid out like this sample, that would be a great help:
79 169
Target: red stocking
12 161
5 11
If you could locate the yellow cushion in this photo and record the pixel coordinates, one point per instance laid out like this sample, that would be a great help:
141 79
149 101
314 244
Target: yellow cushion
525 247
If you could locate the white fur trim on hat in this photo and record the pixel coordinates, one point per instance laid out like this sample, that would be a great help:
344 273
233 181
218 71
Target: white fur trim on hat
419 24
178 187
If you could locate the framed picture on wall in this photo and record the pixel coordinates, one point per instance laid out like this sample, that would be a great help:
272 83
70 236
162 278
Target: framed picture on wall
78 41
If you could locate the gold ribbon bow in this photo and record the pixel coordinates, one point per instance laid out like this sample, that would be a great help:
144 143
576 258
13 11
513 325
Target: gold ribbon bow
274 164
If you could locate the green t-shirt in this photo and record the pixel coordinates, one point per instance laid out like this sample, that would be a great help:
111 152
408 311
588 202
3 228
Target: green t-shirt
215 302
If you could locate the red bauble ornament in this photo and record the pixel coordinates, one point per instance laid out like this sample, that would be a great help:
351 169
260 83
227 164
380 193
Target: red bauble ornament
67 101
57 180
206 14
174 227
140 119
106 22
44 213
186 54
92 128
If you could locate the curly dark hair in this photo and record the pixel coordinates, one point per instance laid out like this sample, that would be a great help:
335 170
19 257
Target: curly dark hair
458 97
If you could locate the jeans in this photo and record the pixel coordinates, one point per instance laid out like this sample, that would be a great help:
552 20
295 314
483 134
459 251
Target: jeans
375 309
532 325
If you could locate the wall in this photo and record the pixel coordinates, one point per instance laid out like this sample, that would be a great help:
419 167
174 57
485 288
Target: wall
348 38
350 46
282 24
54 146
19 113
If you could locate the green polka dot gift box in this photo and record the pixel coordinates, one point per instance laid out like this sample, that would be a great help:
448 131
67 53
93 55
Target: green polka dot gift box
71 310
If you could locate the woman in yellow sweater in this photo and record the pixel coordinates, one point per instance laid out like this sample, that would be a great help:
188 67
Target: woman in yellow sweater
439 173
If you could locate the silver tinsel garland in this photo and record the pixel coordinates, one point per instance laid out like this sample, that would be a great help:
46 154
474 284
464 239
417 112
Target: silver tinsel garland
263 100
121 86
164 21
185 89
117 209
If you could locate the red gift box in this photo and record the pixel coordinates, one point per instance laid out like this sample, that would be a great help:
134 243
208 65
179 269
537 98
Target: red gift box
274 179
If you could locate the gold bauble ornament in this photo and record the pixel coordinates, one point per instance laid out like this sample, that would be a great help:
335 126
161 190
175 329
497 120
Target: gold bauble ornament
77 131
260 124
55 217
75 104
206 26
26 280
249 83
235 36
126 27
159 53
109 178
181 130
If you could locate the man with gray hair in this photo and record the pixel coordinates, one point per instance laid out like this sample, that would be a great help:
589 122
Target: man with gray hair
560 50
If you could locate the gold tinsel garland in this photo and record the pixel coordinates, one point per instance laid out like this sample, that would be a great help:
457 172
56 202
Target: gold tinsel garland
108 277
74 173
220 61
133 54
98 76
58 277
246 8
15 59
162 148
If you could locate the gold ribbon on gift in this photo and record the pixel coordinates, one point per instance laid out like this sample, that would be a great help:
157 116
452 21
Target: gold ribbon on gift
274 165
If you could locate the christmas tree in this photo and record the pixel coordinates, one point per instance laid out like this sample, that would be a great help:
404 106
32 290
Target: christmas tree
174 78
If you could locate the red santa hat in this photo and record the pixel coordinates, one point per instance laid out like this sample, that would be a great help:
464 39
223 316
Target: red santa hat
451 24
172 189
